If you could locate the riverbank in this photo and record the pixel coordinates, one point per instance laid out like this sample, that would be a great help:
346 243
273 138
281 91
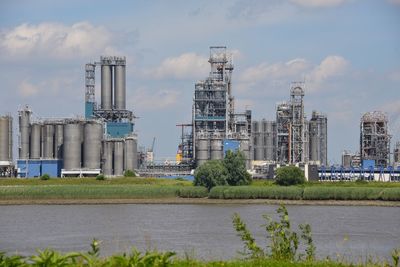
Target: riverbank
200 201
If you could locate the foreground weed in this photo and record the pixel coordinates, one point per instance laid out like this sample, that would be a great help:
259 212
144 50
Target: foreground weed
284 242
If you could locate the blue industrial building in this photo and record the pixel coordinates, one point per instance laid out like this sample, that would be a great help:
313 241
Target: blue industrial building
35 168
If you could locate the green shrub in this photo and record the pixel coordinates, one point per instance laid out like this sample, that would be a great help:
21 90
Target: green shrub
253 192
391 194
45 177
100 177
193 192
210 174
289 175
235 164
129 173
342 193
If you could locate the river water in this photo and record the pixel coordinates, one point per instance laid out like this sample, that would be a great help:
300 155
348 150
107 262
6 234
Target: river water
202 231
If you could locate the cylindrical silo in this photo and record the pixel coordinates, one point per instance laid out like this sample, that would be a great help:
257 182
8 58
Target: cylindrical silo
119 88
93 134
118 157
48 141
107 157
58 140
245 148
35 141
106 87
10 137
258 147
24 117
72 145
268 140
202 154
314 141
130 154
216 149
4 139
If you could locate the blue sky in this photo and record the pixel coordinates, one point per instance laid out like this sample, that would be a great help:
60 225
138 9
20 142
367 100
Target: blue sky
348 51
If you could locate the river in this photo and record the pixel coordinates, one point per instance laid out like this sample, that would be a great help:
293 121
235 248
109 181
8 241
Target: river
202 231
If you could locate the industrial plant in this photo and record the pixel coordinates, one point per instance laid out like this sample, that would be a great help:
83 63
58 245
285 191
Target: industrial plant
104 141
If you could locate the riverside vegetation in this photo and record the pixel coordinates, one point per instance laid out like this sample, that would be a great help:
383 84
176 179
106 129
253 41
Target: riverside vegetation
282 250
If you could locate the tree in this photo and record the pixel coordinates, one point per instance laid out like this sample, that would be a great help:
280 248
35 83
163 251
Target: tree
210 174
289 175
235 164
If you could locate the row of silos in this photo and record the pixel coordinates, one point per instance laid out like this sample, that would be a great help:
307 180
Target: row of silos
264 139
119 155
6 139
113 69
212 148
45 140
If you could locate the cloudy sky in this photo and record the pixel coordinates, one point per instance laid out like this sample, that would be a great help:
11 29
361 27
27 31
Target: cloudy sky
347 51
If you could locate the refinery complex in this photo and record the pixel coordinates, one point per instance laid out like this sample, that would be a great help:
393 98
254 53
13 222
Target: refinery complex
103 141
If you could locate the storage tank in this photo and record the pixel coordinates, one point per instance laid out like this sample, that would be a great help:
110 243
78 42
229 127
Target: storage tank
216 149
314 149
269 129
118 157
5 138
72 145
106 87
48 141
35 141
130 155
107 157
245 148
119 88
93 135
58 140
24 117
202 151
258 147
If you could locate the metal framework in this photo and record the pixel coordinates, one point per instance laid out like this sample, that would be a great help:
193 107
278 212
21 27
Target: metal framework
299 131
374 138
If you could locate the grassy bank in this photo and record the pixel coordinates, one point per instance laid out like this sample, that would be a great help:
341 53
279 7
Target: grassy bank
306 193
99 192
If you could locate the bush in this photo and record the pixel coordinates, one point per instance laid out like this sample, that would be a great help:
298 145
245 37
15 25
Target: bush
210 174
252 192
391 194
235 164
193 192
289 175
100 177
45 177
129 173
342 193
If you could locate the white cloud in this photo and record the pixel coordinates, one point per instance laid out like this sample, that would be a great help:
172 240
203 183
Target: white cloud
279 70
26 89
145 99
331 66
55 40
185 66
318 3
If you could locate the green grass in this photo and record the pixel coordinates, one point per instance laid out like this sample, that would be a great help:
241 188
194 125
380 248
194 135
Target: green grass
391 194
97 192
342 193
250 192
93 181
263 183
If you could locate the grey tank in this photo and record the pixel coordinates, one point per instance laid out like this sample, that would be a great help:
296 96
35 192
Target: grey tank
72 145
48 141
5 138
118 157
58 140
24 117
35 141
216 149
107 158
245 148
258 147
106 87
130 155
119 88
202 153
93 134
269 139
314 141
